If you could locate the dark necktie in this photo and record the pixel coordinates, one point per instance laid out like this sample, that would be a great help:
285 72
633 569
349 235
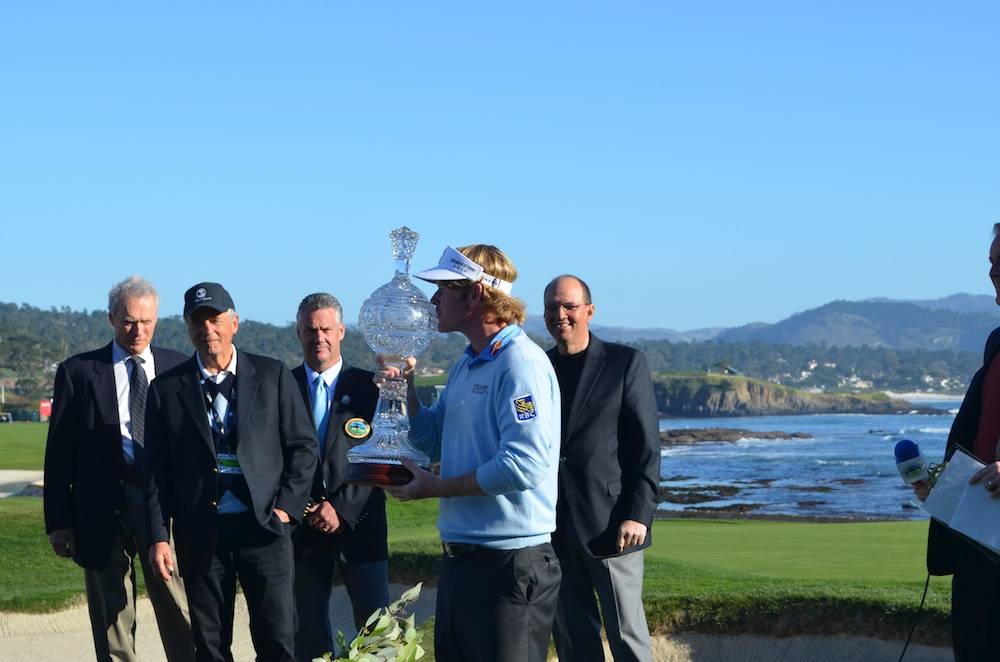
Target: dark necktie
137 387
220 397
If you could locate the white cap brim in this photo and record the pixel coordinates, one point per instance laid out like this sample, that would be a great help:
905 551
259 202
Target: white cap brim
453 265
437 273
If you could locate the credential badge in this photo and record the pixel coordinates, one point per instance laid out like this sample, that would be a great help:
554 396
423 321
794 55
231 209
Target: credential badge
357 428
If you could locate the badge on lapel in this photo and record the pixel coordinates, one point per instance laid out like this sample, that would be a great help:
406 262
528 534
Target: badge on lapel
357 428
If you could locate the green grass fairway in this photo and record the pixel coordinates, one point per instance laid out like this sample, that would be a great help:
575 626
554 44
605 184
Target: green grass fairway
32 577
701 575
787 578
878 551
22 445
737 576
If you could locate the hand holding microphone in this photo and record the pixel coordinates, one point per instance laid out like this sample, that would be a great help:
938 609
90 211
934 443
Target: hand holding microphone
912 467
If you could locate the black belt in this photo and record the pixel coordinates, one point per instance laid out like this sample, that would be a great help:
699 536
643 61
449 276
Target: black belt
455 549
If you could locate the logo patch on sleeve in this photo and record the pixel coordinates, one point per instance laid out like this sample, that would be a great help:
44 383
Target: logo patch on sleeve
524 408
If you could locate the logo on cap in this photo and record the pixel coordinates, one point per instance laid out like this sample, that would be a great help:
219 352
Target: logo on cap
200 293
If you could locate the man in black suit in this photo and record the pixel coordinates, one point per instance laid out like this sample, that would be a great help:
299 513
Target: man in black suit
609 469
345 524
232 456
975 584
94 458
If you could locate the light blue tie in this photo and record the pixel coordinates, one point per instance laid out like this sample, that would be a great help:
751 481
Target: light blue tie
320 411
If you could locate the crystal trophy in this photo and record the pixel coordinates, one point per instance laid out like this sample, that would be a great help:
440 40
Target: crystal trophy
397 321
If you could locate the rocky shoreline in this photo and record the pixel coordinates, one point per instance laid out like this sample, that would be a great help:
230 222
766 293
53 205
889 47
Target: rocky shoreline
691 497
696 435
707 396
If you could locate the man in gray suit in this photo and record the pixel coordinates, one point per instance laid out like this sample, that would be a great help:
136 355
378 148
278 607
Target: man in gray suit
608 477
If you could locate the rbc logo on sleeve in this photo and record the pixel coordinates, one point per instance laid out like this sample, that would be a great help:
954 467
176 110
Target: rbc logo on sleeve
524 408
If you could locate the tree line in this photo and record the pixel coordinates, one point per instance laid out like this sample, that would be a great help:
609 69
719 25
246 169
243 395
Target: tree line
33 341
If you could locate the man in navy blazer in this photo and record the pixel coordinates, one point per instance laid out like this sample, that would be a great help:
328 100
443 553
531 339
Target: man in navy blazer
232 456
345 525
609 468
94 460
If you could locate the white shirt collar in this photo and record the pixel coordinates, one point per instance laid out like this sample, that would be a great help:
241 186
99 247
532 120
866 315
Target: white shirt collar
118 353
231 368
329 375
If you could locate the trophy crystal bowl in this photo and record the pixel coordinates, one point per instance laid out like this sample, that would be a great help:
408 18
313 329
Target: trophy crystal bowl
397 321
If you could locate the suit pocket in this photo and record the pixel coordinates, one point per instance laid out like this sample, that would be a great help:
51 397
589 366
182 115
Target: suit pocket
615 488
525 574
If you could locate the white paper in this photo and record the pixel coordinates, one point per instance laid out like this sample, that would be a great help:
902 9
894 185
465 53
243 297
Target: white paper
967 509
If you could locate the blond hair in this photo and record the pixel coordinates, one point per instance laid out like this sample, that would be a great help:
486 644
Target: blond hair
504 307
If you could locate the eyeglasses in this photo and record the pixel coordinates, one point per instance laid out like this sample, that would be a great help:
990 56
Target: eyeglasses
568 307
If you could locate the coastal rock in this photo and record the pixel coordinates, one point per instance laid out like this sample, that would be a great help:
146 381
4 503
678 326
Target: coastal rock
695 435
698 396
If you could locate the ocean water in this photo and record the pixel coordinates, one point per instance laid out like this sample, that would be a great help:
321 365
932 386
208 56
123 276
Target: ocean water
846 470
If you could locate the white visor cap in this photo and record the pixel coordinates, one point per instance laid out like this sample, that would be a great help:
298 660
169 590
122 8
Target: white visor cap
455 266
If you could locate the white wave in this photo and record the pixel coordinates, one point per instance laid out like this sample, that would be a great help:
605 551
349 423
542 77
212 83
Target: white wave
934 430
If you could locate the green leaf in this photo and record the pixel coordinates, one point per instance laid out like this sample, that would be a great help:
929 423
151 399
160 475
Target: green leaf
374 616
411 594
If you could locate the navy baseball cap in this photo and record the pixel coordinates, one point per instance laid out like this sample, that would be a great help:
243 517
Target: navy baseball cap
207 295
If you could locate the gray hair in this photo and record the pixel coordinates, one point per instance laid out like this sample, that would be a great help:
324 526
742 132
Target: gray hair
316 301
132 287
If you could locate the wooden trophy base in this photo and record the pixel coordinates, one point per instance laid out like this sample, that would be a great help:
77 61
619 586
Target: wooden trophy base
377 474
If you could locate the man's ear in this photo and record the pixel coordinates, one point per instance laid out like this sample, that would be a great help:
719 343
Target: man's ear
476 294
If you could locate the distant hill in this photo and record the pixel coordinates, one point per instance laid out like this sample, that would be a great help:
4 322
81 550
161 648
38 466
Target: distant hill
33 341
843 345
880 323
535 326
958 322
960 303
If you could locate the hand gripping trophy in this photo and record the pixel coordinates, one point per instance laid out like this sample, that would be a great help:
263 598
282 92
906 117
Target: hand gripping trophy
397 321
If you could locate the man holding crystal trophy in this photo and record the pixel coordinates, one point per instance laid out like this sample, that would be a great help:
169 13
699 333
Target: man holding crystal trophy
495 430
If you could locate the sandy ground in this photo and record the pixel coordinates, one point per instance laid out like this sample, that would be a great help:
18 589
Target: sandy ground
918 396
755 648
13 481
65 635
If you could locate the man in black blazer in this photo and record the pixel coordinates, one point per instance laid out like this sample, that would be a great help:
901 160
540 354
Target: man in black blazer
94 458
609 468
345 525
975 587
232 456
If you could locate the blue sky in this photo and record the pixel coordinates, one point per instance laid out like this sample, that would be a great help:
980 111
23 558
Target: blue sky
700 164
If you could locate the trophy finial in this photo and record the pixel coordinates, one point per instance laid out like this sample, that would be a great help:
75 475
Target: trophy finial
404 243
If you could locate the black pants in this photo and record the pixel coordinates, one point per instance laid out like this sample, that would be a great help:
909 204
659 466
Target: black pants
262 561
496 605
975 608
